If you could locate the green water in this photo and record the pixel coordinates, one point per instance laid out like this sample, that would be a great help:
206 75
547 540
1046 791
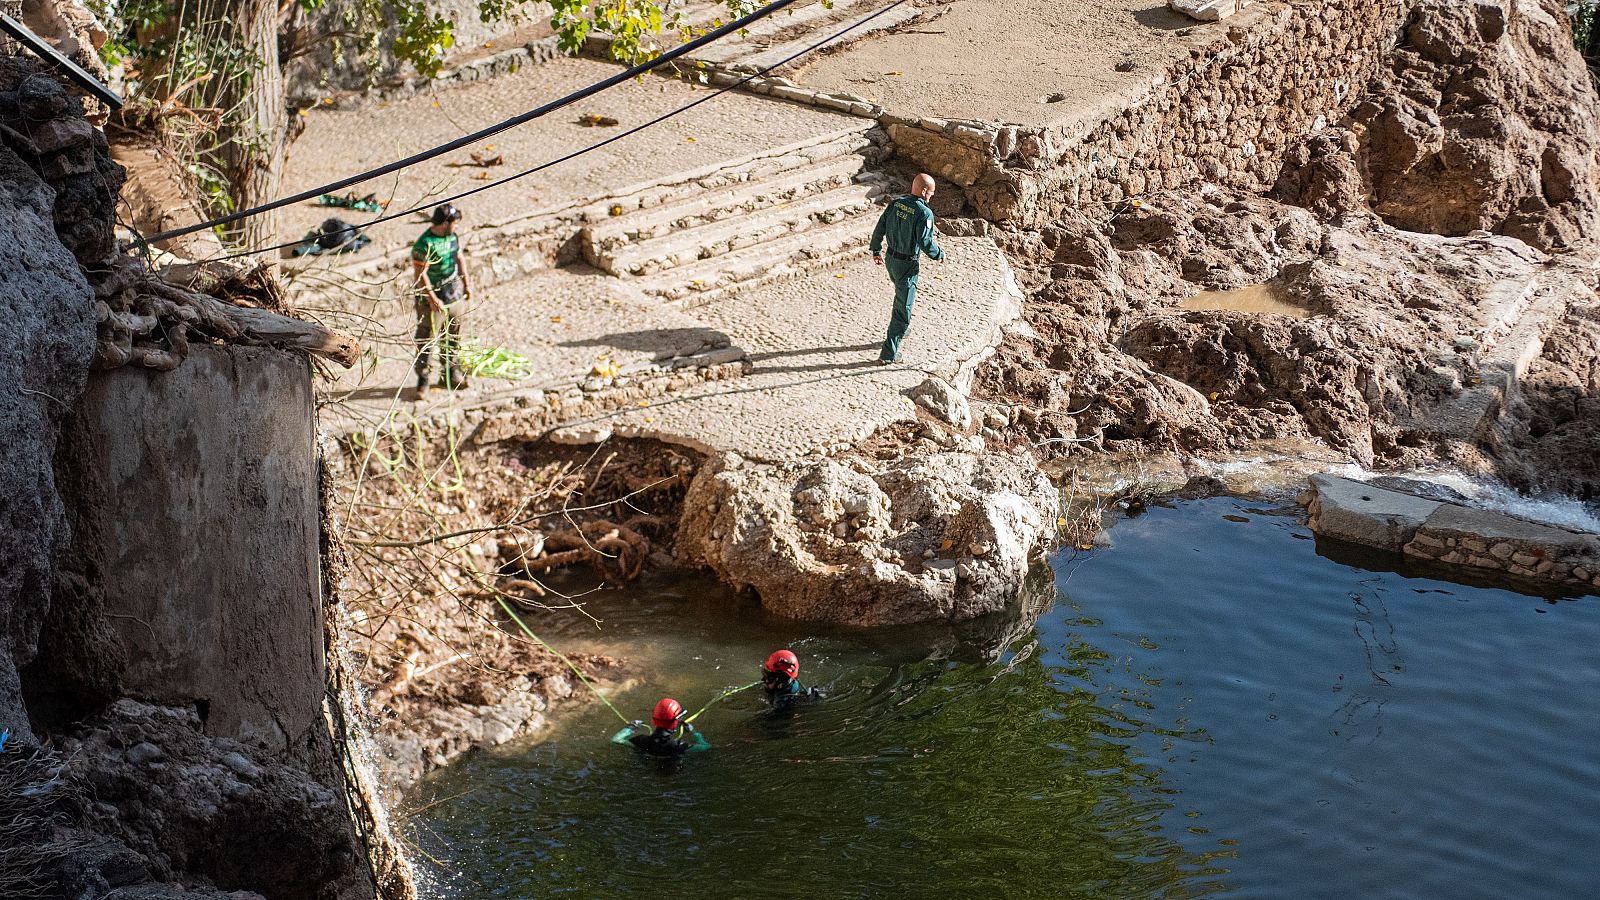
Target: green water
1208 707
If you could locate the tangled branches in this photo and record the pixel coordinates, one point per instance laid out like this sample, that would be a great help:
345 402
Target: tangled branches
147 319
36 798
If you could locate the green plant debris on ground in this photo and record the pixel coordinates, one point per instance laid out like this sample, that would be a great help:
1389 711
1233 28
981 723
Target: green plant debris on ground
494 362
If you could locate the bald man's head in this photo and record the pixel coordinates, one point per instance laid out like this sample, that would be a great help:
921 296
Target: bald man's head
922 186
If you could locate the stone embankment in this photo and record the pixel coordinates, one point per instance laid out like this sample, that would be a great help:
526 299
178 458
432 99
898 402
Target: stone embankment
1429 522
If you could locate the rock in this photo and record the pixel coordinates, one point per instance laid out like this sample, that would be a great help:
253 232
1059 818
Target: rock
1416 487
143 752
241 765
286 834
767 527
1514 154
581 434
938 397
1208 10
63 134
1359 513
48 331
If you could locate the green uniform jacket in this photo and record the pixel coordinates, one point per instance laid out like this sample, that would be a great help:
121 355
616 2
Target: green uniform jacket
908 224
439 252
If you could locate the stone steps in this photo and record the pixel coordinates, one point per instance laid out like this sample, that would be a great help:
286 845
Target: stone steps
683 248
714 278
513 248
778 36
1517 317
780 49
715 205
852 139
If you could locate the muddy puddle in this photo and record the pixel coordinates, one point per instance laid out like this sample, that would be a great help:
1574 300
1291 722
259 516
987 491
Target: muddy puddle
1257 298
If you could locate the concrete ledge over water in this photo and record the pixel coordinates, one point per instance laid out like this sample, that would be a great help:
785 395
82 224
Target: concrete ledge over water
1418 522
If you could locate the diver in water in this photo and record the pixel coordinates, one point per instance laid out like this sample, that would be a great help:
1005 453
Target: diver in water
780 678
671 737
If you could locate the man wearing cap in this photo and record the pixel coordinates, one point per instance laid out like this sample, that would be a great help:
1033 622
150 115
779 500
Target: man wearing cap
439 282
907 224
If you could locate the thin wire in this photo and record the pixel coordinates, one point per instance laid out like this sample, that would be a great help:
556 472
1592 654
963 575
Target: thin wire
475 137
596 146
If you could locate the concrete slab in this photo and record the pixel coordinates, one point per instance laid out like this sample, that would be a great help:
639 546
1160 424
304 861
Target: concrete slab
240 592
813 342
1061 58
573 325
1348 510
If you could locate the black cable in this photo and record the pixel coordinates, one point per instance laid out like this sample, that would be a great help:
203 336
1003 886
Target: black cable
492 130
595 146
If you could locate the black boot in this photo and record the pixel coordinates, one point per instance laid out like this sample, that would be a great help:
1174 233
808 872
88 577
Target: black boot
454 378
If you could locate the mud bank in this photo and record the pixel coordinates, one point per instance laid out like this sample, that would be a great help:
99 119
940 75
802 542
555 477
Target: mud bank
441 537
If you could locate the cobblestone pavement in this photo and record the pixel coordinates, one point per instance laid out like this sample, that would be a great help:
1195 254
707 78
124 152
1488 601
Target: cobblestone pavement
338 142
814 341
814 384
565 322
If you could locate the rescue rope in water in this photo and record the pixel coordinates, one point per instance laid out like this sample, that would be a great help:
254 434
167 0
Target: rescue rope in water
727 693
586 683
559 655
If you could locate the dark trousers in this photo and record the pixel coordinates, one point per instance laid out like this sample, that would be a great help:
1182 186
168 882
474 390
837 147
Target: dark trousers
448 332
904 275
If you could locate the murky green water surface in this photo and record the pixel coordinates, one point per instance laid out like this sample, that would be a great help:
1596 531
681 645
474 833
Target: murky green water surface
1209 707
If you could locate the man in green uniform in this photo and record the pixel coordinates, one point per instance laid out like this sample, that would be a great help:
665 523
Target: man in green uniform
439 282
907 223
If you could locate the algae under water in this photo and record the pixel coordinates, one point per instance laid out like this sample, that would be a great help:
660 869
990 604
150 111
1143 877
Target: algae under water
1208 707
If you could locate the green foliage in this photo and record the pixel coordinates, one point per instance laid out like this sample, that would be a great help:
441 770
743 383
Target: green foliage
424 37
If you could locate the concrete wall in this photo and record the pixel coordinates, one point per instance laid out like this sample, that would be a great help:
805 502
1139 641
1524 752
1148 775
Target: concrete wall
212 578
1223 116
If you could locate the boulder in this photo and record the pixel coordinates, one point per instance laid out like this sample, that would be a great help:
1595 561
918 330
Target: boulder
946 537
938 397
47 319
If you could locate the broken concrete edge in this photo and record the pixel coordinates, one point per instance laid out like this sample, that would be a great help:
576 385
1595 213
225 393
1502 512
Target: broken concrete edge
1357 512
535 414
1509 344
1208 10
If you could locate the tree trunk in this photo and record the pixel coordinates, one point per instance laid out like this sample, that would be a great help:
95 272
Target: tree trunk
1591 48
254 137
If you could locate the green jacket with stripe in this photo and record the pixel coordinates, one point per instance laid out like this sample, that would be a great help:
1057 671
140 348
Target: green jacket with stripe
907 224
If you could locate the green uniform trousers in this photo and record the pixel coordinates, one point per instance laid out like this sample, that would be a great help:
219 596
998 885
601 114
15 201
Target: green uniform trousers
904 275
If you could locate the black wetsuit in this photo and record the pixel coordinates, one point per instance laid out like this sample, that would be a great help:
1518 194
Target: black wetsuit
664 742
784 692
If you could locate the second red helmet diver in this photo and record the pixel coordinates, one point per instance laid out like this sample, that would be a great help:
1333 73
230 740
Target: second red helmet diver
780 678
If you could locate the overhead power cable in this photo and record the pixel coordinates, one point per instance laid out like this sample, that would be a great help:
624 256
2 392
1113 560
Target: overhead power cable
597 145
581 94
